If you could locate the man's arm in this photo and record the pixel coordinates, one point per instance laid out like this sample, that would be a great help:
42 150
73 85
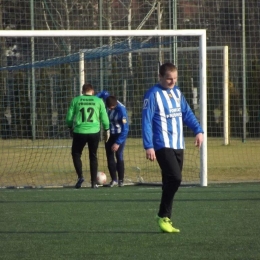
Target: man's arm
70 115
104 116
124 125
105 121
191 121
189 118
147 118
103 94
147 125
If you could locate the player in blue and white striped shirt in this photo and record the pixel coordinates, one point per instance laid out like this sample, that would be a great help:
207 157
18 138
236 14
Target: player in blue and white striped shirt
165 110
115 146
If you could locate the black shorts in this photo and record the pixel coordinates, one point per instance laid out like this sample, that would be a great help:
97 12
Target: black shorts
80 140
171 162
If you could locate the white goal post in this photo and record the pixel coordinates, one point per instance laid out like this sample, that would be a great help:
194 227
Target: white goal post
201 33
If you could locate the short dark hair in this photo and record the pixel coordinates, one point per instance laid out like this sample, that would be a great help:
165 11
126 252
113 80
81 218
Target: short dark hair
168 66
87 87
111 101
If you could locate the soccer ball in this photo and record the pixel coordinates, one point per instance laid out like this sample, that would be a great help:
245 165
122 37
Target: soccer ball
101 178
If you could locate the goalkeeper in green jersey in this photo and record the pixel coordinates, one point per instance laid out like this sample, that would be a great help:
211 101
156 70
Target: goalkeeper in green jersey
84 118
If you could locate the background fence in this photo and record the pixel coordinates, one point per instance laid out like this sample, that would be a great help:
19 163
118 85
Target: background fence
232 23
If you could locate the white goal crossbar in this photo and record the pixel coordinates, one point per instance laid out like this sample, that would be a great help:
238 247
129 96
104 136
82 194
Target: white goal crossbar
201 33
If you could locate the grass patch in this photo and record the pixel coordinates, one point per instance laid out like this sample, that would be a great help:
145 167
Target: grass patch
216 222
49 163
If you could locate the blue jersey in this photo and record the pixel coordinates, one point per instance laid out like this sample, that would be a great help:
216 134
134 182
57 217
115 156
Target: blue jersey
118 119
164 113
119 122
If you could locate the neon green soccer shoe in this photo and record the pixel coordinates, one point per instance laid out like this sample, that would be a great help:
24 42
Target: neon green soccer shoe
165 225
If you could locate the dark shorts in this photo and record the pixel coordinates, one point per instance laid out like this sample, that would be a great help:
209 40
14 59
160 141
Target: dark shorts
80 140
170 162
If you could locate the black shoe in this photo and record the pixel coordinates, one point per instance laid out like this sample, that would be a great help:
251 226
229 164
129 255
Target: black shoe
79 182
120 184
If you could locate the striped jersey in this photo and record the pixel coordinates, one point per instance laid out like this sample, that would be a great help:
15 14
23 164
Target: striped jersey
163 115
119 122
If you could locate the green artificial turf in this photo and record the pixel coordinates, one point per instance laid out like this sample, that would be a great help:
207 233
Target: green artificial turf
217 222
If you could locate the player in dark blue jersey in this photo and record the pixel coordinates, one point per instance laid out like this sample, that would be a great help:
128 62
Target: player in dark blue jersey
115 146
165 110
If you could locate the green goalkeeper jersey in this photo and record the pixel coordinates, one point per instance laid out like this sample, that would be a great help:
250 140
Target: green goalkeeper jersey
86 113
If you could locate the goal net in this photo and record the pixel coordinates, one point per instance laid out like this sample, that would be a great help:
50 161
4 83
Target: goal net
43 70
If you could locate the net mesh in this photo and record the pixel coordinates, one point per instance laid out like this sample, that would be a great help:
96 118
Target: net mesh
46 160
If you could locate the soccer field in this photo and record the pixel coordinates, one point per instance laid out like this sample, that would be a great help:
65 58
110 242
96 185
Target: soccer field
216 222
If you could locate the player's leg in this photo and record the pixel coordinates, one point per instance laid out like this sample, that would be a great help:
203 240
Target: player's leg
93 142
170 162
111 162
120 164
78 143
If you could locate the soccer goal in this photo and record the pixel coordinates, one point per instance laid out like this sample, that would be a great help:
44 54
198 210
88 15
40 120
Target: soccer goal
47 71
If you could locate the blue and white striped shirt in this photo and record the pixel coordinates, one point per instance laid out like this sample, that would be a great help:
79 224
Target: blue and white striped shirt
163 115
119 122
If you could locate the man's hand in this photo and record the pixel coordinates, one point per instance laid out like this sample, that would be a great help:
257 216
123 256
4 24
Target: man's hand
115 147
106 135
198 140
150 154
71 131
